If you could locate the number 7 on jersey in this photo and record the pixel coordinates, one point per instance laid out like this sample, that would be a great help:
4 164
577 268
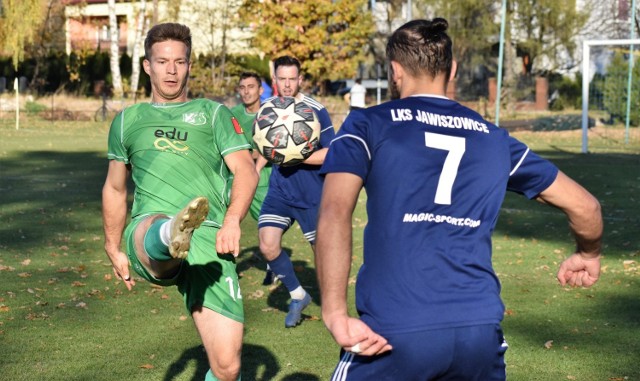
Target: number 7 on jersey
456 147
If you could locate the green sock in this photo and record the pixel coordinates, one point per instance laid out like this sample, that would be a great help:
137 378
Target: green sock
153 244
210 377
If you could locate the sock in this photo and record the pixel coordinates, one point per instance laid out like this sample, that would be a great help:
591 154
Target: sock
154 244
283 268
299 293
165 232
210 377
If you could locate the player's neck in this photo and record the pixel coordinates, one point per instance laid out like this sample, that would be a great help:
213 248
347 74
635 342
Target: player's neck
429 86
252 108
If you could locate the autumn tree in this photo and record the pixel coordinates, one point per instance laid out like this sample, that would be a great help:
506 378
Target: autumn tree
18 26
329 37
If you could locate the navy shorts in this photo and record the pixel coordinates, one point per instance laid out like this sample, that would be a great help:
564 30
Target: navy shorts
473 353
278 214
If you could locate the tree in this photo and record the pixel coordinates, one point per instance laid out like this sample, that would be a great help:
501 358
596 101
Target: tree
141 26
114 51
212 23
615 92
20 22
329 37
545 32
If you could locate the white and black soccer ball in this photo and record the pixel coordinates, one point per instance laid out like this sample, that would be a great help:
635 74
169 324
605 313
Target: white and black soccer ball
286 131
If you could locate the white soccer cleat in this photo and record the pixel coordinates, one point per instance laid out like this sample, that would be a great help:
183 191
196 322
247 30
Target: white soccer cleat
184 223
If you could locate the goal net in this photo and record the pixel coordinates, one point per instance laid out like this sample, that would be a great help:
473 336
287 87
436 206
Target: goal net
611 91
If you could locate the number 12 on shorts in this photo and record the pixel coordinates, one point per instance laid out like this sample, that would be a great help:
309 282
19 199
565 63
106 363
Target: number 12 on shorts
234 289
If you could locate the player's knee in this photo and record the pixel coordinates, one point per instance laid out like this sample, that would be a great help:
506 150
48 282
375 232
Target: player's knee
269 249
226 371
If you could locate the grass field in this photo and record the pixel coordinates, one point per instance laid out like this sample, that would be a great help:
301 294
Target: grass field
64 317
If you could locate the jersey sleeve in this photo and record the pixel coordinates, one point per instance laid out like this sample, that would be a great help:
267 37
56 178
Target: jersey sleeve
530 174
350 151
229 134
115 146
327 132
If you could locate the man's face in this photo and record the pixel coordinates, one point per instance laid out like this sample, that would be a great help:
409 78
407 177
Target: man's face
168 69
250 90
287 80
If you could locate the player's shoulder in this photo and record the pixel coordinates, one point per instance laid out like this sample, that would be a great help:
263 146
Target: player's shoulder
312 102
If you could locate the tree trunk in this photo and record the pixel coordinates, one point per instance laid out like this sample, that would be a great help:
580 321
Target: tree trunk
114 51
137 47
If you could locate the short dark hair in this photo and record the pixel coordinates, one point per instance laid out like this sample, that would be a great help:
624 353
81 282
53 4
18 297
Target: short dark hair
166 32
422 47
286 61
250 74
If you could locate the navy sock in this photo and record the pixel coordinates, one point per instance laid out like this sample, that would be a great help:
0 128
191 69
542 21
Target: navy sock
153 244
283 268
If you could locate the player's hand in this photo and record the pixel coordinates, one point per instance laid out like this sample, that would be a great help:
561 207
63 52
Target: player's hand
579 271
121 269
228 237
353 335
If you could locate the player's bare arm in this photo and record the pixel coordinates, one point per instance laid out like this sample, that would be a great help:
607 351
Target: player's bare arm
333 263
317 157
245 180
114 214
585 221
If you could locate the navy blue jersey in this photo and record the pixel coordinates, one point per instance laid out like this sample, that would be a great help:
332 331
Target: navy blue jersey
435 173
301 185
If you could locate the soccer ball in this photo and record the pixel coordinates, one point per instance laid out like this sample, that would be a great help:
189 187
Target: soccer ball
286 131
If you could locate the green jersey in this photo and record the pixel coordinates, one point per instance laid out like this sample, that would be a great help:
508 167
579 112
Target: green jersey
246 121
176 153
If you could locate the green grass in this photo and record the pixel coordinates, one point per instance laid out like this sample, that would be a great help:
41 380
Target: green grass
63 317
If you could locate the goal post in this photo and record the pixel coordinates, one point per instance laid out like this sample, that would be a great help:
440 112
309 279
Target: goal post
587 45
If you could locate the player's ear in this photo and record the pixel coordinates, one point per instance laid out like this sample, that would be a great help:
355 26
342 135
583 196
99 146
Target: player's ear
454 68
397 71
146 65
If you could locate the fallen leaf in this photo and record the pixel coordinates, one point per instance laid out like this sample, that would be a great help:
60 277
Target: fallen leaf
146 366
24 275
26 262
548 344
182 318
4 309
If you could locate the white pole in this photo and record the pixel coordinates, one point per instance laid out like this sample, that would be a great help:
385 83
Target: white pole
500 58
630 75
585 93
15 87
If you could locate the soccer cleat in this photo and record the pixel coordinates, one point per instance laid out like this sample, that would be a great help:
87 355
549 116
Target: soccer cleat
269 278
184 223
294 316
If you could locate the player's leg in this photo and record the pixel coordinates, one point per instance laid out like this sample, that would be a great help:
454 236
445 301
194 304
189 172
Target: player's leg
222 340
256 206
161 242
210 286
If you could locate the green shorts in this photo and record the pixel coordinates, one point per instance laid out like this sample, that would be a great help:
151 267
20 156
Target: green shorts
204 279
